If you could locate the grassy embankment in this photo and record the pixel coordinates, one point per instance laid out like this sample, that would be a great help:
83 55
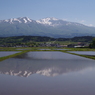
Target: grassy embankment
13 55
86 56
21 51
24 50
12 49
81 49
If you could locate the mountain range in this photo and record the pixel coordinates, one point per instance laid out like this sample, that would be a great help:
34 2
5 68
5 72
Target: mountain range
51 27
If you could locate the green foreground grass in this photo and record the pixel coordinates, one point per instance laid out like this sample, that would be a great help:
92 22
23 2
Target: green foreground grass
13 55
24 50
86 56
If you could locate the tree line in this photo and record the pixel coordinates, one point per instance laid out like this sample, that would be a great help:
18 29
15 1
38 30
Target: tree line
32 40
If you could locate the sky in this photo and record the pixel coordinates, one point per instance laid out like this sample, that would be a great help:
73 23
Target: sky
81 11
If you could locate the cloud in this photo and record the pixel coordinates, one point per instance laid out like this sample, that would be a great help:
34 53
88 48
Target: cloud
90 24
82 21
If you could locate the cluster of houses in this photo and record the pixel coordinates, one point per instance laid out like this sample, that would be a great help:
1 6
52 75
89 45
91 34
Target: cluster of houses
79 44
49 44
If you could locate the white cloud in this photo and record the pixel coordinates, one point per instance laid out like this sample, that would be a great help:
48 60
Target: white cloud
82 21
90 24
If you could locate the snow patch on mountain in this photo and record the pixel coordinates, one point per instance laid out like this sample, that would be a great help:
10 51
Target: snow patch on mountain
55 22
17 20
46 21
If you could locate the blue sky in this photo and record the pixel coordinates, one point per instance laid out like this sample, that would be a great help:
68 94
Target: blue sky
81 11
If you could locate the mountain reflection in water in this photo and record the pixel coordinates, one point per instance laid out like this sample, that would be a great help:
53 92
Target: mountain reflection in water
44 63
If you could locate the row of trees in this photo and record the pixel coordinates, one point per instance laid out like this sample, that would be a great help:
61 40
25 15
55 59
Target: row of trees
22 44
33 41
43 39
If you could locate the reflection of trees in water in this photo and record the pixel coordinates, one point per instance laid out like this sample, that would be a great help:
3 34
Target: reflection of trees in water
27 67
22 56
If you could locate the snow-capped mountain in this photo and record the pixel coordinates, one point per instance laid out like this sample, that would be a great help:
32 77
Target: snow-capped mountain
55 22
47 21
17 20
50 27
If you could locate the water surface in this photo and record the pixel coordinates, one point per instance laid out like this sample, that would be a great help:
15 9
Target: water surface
44 49
23 49
6 53
61 49
84 52
47 73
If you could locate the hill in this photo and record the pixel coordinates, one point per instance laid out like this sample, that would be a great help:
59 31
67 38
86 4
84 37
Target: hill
42 39
50 27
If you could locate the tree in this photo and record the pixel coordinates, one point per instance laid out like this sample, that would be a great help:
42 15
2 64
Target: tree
92 45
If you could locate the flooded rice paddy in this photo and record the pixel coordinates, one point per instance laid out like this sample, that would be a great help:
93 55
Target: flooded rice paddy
61 49
84 52
47 73
44 49
53 49
6 53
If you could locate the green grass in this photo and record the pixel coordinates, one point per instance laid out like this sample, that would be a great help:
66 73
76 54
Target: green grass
13 55
65 42
80 49
27 49
86 56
